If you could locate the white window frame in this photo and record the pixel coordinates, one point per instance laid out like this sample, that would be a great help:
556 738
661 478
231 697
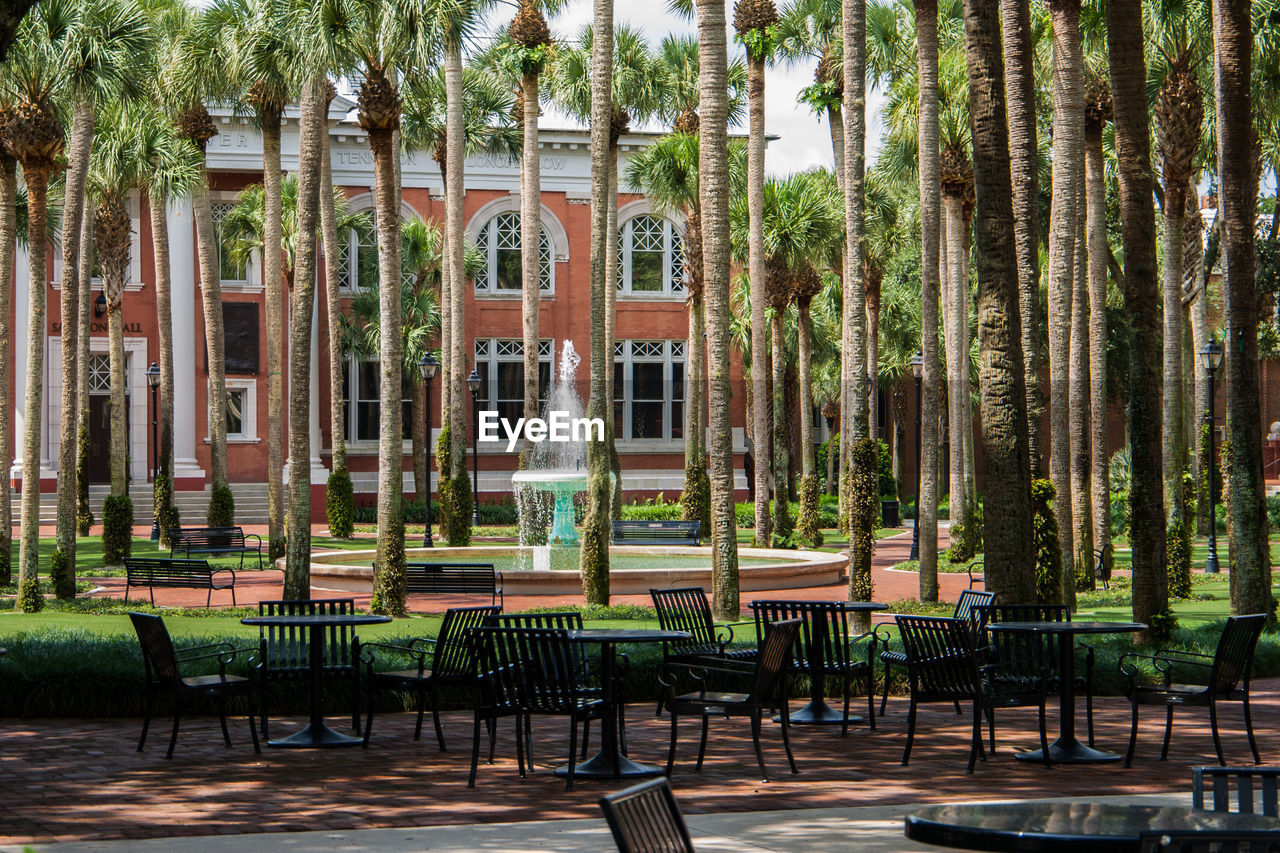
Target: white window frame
631 352
492 351
133 279
488 242
673 286
252 282
248 417
352 362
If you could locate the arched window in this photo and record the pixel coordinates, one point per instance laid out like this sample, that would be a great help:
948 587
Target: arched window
499 240
650 257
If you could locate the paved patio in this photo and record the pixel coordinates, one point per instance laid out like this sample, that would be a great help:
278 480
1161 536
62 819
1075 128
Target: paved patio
81 780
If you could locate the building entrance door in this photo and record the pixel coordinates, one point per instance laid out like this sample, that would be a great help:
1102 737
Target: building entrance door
99 466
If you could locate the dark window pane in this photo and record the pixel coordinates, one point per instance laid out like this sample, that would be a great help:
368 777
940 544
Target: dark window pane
677 380
647 382
646 420
646 271
677 420
544 379
508 269
367 416
510 381
235 412
369 381
406 420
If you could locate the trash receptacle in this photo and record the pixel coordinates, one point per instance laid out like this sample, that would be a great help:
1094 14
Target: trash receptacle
889 513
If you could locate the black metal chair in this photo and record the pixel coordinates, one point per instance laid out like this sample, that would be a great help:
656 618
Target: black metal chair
824 635
284 650
529 672
646 819
1227 671
1209 841
943 665
1217 783
768 693
163 667
968 606
441 662
686 609
1022 660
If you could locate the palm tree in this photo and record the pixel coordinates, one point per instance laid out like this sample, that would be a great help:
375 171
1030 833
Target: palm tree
1250 565
1137 225
10 17
8 238
1097 114
1019 61
264 71
713 201
1007 513
810 30
32 132
1068 160
383 41
755 22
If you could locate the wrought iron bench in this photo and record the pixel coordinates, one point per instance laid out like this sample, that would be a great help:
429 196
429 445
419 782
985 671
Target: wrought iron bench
451 578
657 532
152 572
214 540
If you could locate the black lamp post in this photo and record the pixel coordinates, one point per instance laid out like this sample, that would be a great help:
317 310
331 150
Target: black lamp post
1211 360
100 304
917 368
427 367
153 379
473 384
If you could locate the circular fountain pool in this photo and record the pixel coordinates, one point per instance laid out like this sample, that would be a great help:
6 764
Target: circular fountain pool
633 570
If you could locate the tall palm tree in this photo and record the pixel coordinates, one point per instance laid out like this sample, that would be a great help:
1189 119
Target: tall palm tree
265 69
8 239
1019 61
1137 226
810 30
10 18
33 133
1097 114
383 41
756 25
1068 161
1250 569
1007 513
713 194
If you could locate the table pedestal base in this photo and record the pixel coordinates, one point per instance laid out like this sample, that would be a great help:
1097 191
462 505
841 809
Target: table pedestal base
602 766
818 713
1070 752
315 736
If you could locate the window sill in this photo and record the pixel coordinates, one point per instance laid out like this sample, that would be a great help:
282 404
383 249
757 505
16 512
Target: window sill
238 440
652 297
511 294
365 448
241 287
129 286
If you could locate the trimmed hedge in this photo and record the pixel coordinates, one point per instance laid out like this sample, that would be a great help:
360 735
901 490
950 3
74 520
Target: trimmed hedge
339 505
222 507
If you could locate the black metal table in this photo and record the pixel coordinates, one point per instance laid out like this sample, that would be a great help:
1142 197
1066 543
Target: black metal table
1067 748
1067 826
609 762
316 733
818 712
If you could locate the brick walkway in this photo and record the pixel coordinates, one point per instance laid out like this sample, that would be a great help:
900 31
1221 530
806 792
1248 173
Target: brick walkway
64 780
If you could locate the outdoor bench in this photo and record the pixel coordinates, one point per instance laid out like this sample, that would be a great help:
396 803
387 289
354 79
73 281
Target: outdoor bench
449 578
152 572
657 532
214 540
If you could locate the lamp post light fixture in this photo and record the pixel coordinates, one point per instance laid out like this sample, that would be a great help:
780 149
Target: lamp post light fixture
100 305
917 368
427 367
153 379
473 384
1211 360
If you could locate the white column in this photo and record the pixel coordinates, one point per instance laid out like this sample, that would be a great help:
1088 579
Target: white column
182 265
19 343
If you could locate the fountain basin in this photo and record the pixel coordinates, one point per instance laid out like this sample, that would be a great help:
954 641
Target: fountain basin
634 570
563 484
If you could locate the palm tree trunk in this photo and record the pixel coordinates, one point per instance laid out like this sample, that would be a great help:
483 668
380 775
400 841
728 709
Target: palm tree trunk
297 572
8 237
37 181
594 563
761 441
274 287
418 440
713 200
835 121
1068 160
873 357
531 241
804 346
1095 193
1019 60
1138 232
83 321
1174 459
783 522
1237 165
930 286
1081 416
610 331
68 434
956 278
158 209
1196 275
966 369
454 249
1002 377
696 367
333 307
215 336
119 419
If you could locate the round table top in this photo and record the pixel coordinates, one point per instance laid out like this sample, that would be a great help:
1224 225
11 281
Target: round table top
1068 627
627 635
305 619
1067 826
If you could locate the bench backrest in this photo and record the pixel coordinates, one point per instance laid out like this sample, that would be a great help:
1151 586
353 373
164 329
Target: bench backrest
665 531
207 537
1217 782
286 649
450 577
158 571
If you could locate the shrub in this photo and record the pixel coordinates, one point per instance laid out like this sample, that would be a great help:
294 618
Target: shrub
29 598
1044 533
339 504
807 528
117 529
84 518
657 509
222 507
455 494
967 534
62 575
6 556
165 511
888 483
